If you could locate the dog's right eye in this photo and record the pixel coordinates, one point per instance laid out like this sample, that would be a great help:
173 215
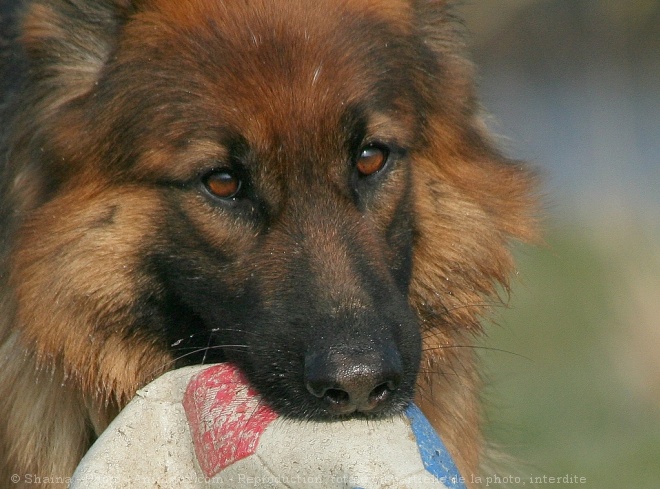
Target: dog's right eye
223 183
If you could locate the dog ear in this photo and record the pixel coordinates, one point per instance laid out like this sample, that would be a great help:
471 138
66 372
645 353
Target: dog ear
461 150
472 200
471 203
437 23
63 46
67 43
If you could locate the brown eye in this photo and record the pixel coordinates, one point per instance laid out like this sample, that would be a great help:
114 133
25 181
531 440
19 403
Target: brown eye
223 183
371 160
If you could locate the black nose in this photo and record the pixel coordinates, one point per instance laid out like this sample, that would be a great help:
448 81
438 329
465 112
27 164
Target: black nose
348 382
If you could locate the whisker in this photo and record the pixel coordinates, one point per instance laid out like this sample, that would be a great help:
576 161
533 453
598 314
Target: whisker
194 351
210 334
475 347
206 350
475 304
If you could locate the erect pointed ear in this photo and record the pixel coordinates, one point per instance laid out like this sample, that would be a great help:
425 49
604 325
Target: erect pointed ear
437 22
67 43
443 35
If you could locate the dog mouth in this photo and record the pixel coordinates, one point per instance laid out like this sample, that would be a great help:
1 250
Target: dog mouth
321 386
331 385
368 375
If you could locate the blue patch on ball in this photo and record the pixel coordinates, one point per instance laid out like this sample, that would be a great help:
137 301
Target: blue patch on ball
435 456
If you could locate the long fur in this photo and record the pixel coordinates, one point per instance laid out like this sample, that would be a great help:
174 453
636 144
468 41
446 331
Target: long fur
62 377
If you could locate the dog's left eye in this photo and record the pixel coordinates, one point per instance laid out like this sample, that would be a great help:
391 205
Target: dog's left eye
223 183
372 159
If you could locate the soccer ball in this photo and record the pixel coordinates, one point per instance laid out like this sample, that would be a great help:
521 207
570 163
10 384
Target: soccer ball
205 427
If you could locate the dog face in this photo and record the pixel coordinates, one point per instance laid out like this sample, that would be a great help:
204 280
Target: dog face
303 189
287 188
278 160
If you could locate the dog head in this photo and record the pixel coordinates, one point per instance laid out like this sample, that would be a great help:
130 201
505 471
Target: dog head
302 188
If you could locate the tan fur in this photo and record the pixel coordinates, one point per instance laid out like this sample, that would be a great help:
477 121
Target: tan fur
72 258
63 336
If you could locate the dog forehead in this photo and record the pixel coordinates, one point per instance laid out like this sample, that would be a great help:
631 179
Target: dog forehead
279 76
191 13
288 40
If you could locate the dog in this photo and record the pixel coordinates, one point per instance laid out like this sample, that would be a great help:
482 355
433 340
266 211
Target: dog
305 189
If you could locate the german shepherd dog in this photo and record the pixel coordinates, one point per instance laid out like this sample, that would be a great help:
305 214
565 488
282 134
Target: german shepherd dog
304 188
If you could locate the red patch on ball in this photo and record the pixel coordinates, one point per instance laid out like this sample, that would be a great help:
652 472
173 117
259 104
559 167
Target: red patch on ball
226 417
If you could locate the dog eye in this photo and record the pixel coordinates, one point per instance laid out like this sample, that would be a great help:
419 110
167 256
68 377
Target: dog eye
372 159
223 183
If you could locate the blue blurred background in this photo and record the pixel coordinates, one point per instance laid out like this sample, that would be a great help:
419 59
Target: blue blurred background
574 87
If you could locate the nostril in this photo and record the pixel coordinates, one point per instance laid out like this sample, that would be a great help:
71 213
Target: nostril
381 393
325 389
347 383
337 397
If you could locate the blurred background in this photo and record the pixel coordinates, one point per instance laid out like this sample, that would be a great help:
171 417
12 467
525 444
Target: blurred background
574 87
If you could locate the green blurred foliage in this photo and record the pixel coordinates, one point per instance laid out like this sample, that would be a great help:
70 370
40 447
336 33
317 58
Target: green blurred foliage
558 397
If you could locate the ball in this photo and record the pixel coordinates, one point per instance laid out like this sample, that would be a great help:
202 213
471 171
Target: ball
205 426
